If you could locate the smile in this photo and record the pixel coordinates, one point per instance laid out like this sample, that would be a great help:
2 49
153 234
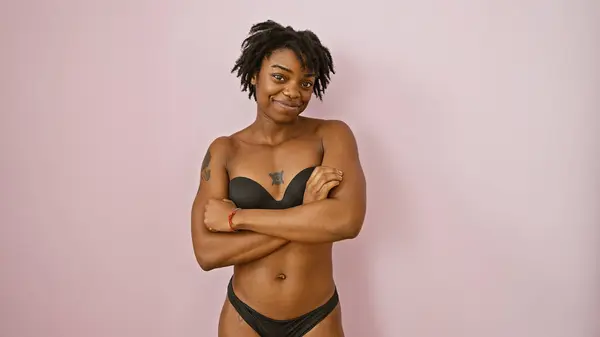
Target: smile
288 105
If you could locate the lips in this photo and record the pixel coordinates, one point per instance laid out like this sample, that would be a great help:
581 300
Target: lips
289 104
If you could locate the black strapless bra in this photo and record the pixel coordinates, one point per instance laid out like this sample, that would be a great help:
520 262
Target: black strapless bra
247 193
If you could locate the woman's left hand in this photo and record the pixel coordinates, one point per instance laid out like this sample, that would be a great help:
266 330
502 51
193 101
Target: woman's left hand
216 215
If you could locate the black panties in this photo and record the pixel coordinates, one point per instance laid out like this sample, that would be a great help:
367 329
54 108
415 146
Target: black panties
268 327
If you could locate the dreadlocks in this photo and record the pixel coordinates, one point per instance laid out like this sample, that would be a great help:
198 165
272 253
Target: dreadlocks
266 37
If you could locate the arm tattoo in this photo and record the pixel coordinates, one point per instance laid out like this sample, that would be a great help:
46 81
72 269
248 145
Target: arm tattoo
205 169
277 178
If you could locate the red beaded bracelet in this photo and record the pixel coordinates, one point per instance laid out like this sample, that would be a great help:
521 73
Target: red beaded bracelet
231 218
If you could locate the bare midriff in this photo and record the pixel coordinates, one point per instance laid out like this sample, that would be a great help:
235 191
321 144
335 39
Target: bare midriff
288 283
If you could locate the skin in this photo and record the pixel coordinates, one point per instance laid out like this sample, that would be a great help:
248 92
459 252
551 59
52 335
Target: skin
282 258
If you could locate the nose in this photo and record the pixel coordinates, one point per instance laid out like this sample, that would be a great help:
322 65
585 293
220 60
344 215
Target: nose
292 92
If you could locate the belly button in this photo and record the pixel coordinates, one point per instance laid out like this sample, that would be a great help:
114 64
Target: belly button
281 276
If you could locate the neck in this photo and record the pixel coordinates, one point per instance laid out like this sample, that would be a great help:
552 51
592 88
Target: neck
271 132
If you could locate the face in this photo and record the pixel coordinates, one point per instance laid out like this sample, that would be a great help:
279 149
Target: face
283 87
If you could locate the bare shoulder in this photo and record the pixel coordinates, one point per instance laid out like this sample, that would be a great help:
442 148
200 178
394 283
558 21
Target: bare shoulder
330 127
222 146
336 131
335 127
218 152
221 143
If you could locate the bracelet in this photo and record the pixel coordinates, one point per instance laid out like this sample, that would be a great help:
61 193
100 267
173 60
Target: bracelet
231 218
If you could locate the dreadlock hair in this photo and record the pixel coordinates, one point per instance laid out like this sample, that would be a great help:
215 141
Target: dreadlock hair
268 36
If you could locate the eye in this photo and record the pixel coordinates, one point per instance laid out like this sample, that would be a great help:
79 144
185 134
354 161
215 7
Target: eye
278 77
307 84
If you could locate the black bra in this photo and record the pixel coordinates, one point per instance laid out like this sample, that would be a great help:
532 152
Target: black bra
247 193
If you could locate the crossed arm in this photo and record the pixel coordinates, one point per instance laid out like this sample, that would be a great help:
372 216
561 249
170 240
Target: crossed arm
336 218
216 250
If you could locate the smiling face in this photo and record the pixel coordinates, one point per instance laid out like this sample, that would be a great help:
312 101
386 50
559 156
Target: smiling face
283 87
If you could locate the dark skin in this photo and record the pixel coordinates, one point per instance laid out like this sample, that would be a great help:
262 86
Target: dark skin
282 258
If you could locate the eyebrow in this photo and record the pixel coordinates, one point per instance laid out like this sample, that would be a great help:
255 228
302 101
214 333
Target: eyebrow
289 70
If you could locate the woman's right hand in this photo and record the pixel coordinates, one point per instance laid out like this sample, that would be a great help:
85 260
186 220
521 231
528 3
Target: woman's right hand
321 181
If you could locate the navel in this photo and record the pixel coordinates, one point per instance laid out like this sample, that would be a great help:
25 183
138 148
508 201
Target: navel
281 276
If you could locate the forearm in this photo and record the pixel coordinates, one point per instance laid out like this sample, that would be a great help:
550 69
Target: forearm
322 221
219 250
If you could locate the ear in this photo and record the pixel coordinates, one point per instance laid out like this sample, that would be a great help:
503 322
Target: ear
253 80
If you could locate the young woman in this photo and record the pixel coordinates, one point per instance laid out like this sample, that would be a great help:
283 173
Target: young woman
274 196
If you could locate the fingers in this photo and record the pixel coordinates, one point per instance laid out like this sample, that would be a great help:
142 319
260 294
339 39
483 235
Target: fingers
322 175
321 170
325 179
326 169
326 182
322 181
324 190
207 222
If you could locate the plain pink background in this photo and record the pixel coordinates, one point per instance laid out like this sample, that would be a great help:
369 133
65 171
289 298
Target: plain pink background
476 123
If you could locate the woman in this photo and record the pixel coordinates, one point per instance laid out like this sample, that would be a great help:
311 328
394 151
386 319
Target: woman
274 196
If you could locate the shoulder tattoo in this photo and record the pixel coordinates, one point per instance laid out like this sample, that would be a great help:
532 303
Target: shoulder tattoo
205 171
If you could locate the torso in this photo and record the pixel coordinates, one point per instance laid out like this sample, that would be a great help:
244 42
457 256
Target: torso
298 277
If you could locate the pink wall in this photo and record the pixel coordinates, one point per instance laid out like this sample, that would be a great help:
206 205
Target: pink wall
476 131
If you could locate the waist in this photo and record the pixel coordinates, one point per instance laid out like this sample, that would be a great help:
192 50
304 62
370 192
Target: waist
296 259
286 283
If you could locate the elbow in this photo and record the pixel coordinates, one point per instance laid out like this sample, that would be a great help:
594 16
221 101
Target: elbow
207 255
203 256
350 228
205 262
211 259
351 231
350 223
206 258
